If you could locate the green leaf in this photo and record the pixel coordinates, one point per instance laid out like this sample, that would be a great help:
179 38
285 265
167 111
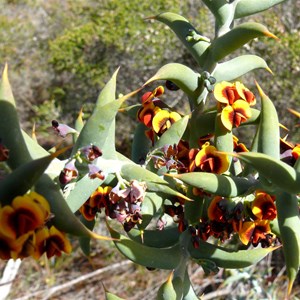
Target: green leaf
268 132
26 175
223 138
10 130
222 185
235 38
79 122
5 88
184 77
277 172
237 67
141 144
224 258
188 291
110 296
246 8
208 266
156 238
162 258
289 224
153 181
174 134
182 28
108 93
99 130
151 204
85 241
166 290
223 13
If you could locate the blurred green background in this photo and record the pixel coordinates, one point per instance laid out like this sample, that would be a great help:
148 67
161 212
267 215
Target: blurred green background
61 53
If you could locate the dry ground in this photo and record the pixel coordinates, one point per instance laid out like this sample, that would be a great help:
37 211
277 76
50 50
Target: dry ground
77 277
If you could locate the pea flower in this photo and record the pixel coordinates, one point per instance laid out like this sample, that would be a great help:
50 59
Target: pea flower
52 242
95 172
26 213
91 152
98 200
208 159
163 120
256 232
263 206
235 114
217 210
62 129
235 101
69 172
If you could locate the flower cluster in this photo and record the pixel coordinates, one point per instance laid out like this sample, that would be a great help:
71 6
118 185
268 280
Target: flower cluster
250 220
24 229
184 159
122 204
155 115
234 103
84 155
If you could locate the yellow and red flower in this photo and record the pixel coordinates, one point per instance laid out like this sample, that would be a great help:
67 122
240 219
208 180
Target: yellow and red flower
226 93
237 146
99 199
263 206
234 102
296 152
147 112
235 114
208 159
52 242
163 120
217 209
149 96
26 213
245 93
255 232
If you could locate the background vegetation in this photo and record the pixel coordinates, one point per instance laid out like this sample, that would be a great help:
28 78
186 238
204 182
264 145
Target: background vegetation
60 54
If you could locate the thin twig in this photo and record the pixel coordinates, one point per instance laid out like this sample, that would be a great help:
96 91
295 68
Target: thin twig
9 274
51 291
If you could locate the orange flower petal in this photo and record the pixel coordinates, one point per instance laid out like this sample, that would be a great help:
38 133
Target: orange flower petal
263 207
225 92
146 114
214 212
88 212
7 228
209 160
227 117
160 120
174 117
296 152
246 232
51 241
245 93
41 201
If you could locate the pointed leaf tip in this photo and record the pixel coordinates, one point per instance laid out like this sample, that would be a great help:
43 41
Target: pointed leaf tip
269 70
294 112
101 237
261 92
271 35
5 73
